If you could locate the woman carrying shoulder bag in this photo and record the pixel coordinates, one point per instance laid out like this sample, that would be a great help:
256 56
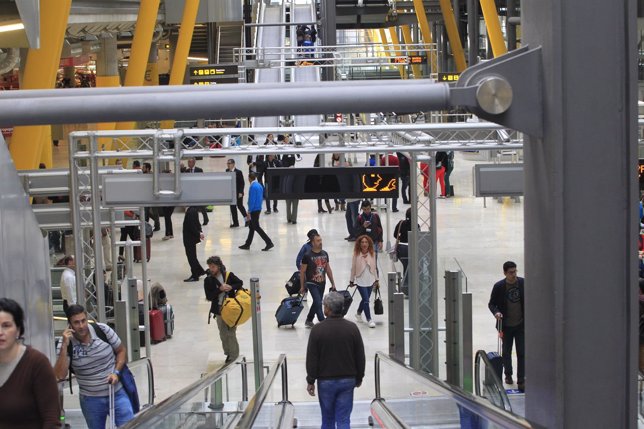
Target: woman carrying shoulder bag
401 233
218 285
364 275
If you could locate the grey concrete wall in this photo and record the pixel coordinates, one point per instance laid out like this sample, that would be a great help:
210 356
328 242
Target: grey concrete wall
24 258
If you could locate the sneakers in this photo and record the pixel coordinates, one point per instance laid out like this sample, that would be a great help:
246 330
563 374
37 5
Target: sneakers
244 247
268 247
309 324
268 212
521 386
372 324
167 237
508 379
359 318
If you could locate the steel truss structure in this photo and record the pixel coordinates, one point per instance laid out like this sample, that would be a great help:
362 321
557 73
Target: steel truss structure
93 150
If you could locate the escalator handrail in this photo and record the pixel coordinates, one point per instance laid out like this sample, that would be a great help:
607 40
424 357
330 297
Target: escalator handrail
473 403
481 355
153 415
255 404
387 418
150 371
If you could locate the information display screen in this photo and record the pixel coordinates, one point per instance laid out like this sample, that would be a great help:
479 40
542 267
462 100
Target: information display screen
326 183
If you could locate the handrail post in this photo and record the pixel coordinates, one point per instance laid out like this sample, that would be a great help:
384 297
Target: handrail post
376 368
244 375
284 381
258 353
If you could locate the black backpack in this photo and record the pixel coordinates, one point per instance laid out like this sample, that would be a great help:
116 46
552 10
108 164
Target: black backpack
127 378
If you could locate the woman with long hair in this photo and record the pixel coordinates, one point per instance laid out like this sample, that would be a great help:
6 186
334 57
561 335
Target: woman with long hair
27 382
364 275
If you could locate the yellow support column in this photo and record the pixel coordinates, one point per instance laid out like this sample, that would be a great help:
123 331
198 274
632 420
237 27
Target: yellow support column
421 16
180 58
396 47
39 72
107 76
493 27
452 35
140 51
415 68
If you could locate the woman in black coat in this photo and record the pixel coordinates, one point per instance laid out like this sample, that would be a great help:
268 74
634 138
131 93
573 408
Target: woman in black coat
218 285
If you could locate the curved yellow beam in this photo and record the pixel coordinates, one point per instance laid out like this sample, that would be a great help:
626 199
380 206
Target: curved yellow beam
182 50
421 16
493 27
40 69
453 35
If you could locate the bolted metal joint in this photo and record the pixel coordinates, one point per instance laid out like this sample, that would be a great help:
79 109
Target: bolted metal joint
494 95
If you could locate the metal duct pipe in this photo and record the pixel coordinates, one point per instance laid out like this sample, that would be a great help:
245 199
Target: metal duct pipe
246 100
149 90
10 60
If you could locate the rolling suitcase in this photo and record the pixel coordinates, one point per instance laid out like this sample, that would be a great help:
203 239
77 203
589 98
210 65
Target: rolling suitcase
168 319
137 251
348 299
157 328
496 360
288 311
293 284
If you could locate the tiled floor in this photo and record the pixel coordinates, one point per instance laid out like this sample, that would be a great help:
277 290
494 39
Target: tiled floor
481 239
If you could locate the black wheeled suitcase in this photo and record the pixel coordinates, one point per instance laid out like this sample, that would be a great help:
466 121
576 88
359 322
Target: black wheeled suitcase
348 299
289 310
293 284
496 360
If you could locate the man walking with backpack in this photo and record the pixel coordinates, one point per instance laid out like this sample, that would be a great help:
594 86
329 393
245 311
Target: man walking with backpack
97 359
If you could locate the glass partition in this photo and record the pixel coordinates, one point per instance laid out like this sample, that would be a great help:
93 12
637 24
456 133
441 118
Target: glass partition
216 400
414 399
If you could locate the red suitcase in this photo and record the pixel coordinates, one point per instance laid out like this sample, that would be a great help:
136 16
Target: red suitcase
157 327
137 251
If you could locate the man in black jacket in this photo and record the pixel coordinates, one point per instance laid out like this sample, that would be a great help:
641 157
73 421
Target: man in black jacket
335 358
239 189
218 285
192 235
506 303
192 168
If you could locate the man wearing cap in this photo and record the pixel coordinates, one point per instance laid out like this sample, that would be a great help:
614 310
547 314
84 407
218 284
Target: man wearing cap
239 192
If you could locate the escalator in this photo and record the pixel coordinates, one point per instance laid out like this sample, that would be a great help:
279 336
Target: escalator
404 398
270 43
305 73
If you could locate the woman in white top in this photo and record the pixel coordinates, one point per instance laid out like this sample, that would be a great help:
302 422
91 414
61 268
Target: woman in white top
364 274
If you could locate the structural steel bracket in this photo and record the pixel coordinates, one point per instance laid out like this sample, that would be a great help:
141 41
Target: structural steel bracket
506 90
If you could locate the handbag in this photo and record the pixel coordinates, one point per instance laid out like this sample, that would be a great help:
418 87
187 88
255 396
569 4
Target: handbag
378 308
394 251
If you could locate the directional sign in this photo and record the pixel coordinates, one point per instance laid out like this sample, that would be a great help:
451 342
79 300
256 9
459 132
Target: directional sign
214 73
448 77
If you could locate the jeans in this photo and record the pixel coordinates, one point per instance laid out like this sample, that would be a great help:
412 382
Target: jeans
351 216
510 334
365 293
336 402
96 408
317 292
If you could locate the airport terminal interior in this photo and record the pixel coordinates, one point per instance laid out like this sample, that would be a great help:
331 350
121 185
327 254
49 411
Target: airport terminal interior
106 106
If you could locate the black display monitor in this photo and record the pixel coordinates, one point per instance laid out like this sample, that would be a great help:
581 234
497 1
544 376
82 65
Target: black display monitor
333 182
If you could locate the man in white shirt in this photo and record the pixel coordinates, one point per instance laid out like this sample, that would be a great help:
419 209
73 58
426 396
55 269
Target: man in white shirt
68 281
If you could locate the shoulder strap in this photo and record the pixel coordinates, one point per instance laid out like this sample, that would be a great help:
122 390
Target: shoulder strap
226 279
70 350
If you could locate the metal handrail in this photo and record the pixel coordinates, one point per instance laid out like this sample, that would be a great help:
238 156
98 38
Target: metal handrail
482 356
155 415
150 370
257 401
386 417
465 399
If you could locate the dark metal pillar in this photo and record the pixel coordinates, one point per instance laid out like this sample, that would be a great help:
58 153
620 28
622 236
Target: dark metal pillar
580 226
472 31
327 13
511 29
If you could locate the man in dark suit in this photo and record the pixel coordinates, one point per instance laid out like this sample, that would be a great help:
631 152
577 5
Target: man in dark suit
192 235
192 168
240 183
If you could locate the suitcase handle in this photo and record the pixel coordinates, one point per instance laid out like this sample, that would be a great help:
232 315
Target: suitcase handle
112 411
499 335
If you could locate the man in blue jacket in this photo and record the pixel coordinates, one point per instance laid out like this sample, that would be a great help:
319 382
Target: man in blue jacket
255 198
